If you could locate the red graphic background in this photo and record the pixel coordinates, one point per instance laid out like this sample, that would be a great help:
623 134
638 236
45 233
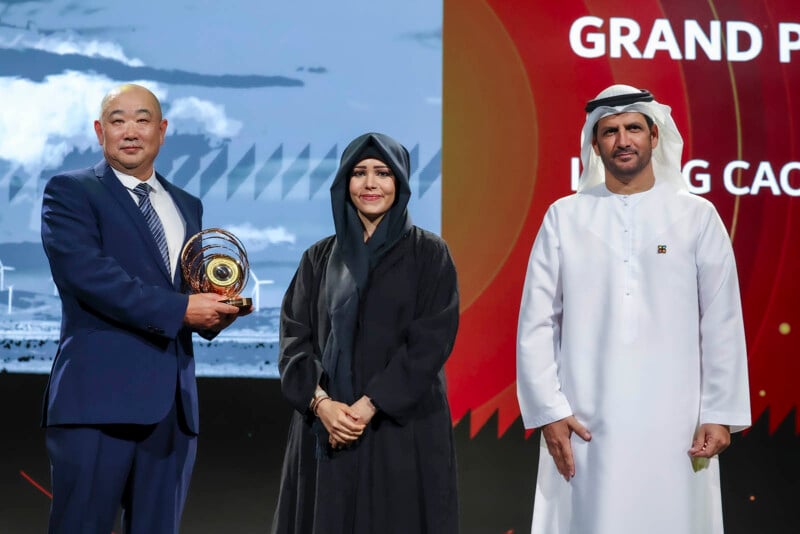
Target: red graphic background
514 93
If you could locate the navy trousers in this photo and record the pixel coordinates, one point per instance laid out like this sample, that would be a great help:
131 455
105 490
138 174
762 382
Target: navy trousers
143 468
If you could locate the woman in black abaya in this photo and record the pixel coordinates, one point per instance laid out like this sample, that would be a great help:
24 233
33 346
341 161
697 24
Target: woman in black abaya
366 327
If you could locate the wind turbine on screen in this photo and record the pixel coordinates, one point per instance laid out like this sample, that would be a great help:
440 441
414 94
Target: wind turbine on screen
257 290
3 269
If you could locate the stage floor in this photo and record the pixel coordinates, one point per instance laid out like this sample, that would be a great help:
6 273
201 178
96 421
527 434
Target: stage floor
243 431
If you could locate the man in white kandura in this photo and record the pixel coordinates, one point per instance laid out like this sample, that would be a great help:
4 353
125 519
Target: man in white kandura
631 351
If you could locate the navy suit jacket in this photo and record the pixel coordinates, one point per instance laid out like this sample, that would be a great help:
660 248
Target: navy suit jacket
124 352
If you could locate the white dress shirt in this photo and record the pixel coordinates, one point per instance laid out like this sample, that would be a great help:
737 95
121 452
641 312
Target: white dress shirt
171 219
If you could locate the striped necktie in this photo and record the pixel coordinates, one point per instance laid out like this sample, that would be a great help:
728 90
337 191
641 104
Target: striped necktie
143 192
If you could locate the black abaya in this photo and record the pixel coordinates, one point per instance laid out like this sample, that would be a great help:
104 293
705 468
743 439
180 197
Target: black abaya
400 476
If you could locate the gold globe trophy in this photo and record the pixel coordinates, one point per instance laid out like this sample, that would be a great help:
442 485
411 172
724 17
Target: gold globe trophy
215 261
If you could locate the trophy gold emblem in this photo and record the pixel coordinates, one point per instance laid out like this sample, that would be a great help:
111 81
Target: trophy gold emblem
215 261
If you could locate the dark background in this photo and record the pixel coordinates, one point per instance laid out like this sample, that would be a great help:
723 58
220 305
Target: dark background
243 431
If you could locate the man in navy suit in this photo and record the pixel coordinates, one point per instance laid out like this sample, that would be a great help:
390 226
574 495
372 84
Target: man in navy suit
120 407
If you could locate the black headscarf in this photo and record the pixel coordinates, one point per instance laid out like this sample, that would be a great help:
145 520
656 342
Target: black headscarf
352 259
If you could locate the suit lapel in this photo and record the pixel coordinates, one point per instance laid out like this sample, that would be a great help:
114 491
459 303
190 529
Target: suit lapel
123 197
190 218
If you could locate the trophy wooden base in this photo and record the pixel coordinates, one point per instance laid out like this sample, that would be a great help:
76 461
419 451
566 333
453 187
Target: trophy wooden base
241 302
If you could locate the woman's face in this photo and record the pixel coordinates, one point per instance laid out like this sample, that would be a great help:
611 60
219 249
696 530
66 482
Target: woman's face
372 188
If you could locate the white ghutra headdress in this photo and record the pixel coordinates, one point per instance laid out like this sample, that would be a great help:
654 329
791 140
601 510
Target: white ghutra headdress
624 99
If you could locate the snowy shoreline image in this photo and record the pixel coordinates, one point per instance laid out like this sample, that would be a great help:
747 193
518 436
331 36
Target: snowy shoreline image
29 340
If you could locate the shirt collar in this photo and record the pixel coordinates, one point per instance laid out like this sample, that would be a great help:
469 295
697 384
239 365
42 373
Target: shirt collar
130 182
